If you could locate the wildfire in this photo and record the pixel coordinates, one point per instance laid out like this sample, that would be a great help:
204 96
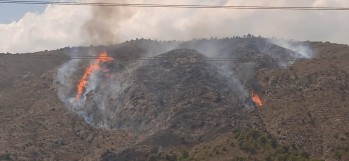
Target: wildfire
256 99
103 57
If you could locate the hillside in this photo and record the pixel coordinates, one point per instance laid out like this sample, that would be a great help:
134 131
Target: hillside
178 101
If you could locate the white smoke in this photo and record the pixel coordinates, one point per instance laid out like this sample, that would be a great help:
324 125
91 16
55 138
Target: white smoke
91 105
64 81
302 50
61 26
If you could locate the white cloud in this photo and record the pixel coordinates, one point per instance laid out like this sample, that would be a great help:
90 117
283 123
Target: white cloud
56 27
61 26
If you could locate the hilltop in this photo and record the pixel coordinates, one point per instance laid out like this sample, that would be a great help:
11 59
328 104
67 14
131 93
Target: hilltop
179 101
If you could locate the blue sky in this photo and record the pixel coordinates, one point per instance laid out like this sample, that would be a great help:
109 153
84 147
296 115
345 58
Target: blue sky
14 12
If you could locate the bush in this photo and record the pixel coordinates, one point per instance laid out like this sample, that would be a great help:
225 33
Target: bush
171 157
248 147
263 140
183 156
5 157
281 157
268 157
281 150
152 158
254 134
239 159
305 155
273 143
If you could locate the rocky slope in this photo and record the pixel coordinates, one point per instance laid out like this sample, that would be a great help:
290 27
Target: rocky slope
307 104
180 106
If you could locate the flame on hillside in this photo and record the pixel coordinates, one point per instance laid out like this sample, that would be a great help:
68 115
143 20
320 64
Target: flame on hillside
96 66
256 99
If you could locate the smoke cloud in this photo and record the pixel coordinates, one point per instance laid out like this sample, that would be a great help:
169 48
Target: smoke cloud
102 26
61 26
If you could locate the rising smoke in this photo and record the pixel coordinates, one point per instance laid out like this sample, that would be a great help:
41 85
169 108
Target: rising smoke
302 50
105 26
92 89
106 85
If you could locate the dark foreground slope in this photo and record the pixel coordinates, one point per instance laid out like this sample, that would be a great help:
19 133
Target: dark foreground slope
181 100
192 112
183 109
179 89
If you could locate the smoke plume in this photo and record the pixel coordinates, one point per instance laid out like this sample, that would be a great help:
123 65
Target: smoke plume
87 94
109 25
302 50
103 25
61 26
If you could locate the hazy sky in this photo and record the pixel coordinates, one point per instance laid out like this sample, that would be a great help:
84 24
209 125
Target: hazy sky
29 28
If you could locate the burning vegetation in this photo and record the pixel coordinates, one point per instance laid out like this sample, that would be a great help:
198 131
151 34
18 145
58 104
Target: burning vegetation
96 66
256 99
116 87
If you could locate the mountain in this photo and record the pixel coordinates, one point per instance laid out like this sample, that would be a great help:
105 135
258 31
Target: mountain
178 101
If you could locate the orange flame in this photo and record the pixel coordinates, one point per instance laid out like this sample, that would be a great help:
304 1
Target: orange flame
103 57
256 99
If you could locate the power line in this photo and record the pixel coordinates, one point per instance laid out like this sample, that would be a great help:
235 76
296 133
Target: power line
148 58
150 5
4 57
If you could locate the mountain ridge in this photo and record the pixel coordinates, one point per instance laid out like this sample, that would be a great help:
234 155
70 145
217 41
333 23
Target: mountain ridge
297 113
